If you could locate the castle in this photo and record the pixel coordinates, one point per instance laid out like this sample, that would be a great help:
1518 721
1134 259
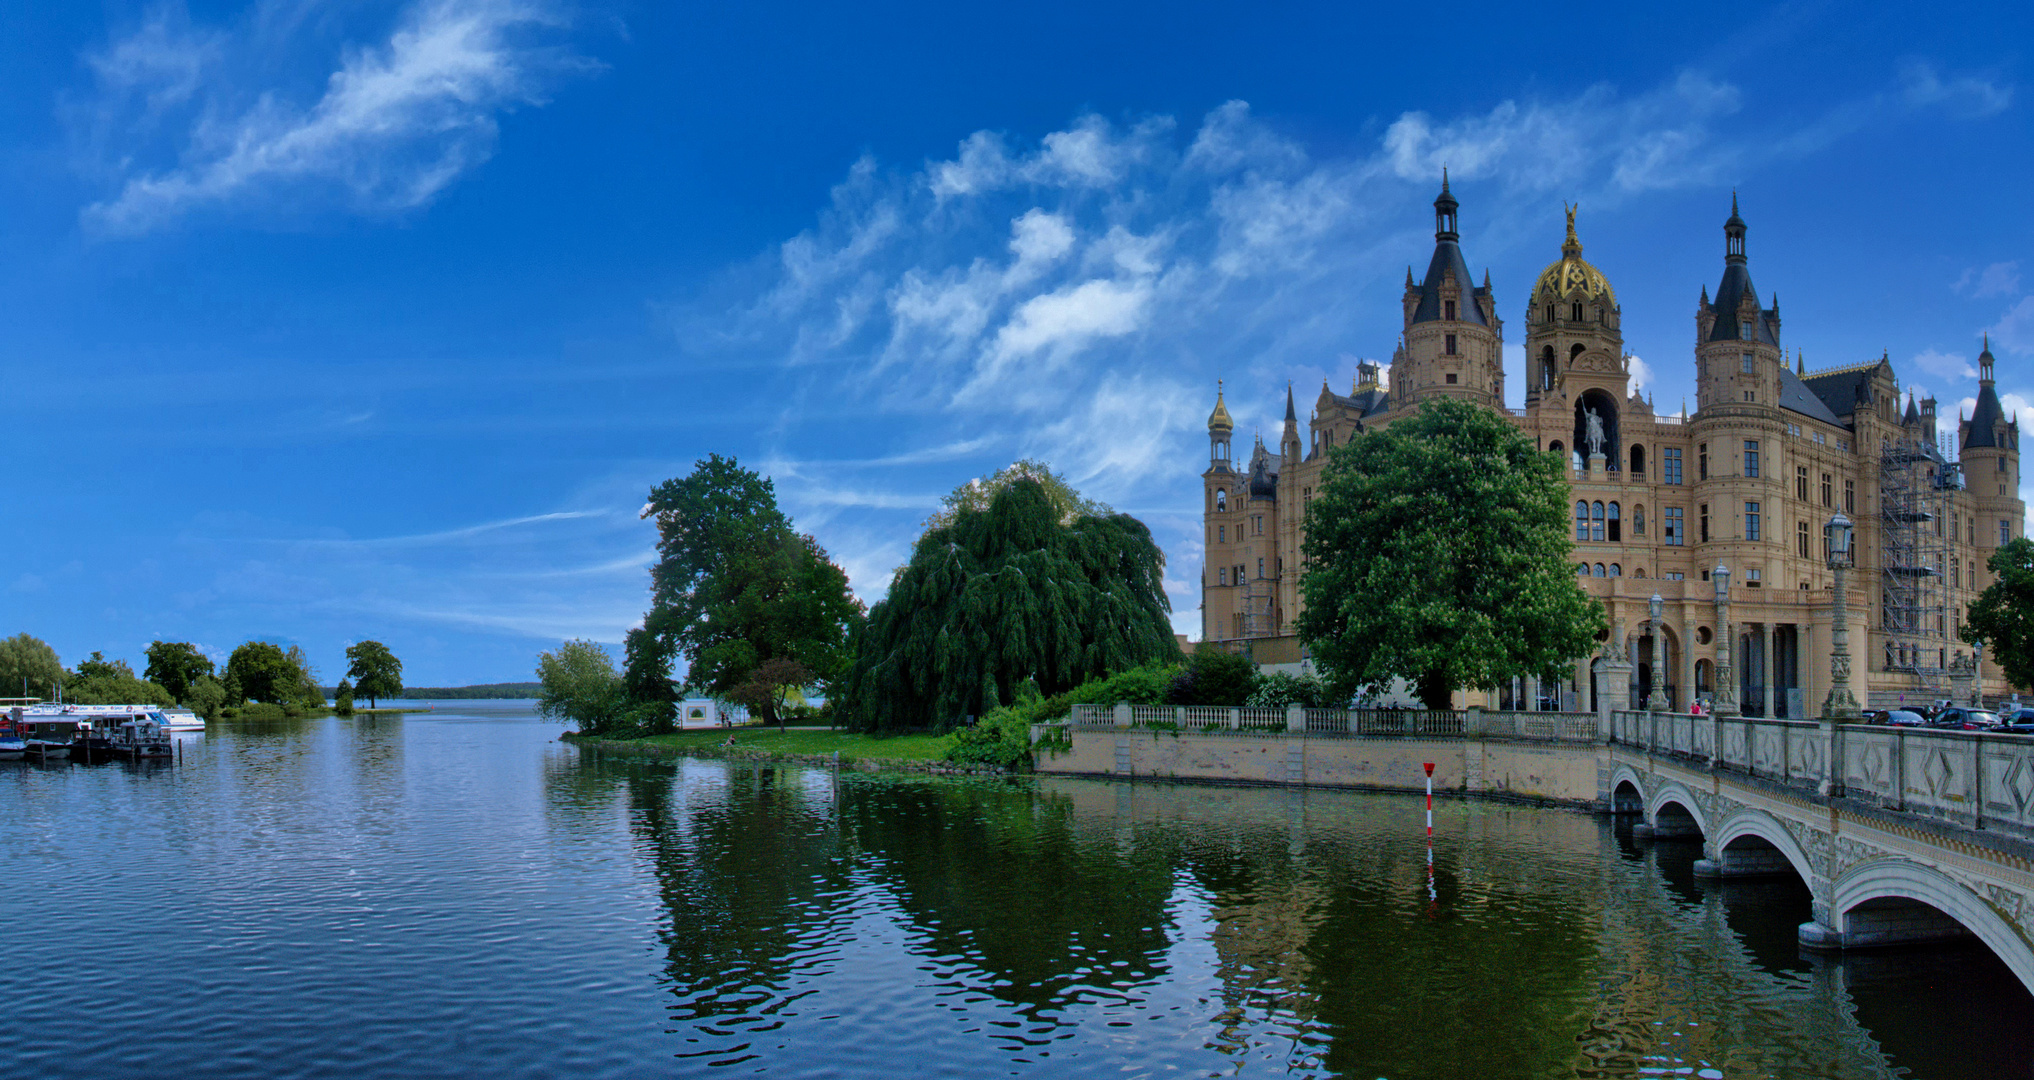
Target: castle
1746 482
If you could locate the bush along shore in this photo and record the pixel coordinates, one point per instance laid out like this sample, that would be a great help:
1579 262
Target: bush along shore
806 746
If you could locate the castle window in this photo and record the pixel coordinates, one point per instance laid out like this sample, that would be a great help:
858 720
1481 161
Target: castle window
1222 576
1221 500
1801 482
1260 568
1451 375
1638 462
1554 447
2005 531
1582 571
1582 520
1850 496
1670 465
1550 313
1575 312
1748 330
1221 534
1451 344
1702 462
1705 523
1751 458
1448 310
1599 571
1745 363
1801 539
1616 570
1596 522
1751 521
1612 520
1825 489
1675 532
1751 580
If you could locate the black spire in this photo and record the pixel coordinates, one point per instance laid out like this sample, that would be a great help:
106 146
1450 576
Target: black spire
1444 213
1733 234
1447 262
1290 416
1985 419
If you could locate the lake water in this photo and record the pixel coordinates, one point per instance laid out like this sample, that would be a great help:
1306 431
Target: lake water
460 894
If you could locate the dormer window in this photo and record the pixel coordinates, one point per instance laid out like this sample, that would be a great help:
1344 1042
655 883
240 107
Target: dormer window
1575 312
1448 310
1749 328
1550 313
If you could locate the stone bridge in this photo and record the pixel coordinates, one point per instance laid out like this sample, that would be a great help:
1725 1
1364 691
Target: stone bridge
1901 835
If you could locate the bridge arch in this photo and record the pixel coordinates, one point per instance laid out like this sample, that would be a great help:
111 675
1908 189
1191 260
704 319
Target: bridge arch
1765 827
1904 879
1670 793
1620 802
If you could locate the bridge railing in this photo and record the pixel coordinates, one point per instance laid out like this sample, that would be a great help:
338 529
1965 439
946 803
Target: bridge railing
1344 723
1969 777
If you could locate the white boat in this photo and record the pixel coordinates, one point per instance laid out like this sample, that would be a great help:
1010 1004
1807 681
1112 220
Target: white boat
179 719
142 739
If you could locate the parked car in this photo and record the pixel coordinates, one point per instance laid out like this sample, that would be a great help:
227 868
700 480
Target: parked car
1961 719
1897 718
2017 721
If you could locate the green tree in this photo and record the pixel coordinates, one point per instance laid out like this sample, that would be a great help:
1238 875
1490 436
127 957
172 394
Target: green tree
1214 677
1004 594
375 671
578 683
1437 551
769 688
735 586
175 665
2003 616
29 668
342 698
263 671
304 682
99 681
977 494
206 696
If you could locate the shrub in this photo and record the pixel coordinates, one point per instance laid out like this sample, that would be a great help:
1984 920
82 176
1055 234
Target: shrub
1214 678
1278 690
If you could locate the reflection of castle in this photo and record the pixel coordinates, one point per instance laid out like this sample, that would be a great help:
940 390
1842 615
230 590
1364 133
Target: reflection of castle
1747 481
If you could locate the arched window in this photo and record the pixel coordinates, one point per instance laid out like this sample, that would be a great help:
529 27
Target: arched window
1640 572
1547 363
1596 523
1616 525
1582 520
1221 500
1574 351
1575 311
1582 571
1638 462
1554 447
1599 570
1616 570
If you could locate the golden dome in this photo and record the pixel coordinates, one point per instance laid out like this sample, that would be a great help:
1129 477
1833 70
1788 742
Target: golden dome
1572 274
1219 419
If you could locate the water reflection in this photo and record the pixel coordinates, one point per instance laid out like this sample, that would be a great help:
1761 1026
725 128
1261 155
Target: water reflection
1098 926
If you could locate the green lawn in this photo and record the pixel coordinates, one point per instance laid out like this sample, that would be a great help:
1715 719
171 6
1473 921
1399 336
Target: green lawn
815 741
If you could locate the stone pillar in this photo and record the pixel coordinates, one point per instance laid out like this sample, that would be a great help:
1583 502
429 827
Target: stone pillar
1832 758
1296 718
1617 672
1122 714
1804 654
1532 695
1766 665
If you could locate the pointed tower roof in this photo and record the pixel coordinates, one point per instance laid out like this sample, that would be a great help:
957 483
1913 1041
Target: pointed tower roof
1985 419
1447 260
1913 415
1219 419
1291 417
1736 288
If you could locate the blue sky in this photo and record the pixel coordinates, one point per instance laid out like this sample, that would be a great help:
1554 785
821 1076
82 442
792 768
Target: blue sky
322 321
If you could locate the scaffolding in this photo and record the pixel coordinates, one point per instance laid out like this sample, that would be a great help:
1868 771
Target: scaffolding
1916 482
1259 618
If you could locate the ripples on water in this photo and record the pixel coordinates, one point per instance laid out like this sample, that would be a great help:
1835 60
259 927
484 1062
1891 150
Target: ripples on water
459 894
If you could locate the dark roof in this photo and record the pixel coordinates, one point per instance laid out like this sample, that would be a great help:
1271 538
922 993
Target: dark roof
1447 257
1730 293
1797 396
1842 389
1984 420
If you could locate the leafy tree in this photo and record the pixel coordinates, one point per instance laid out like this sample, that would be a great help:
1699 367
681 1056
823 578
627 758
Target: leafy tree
304 681
579 684
1004 594
2003 616
99 681
1213 677
770 687
375 671
342 698
174 665
29 668
1278 690
263 671
734 587
236 695
1437 550
977 494
206 696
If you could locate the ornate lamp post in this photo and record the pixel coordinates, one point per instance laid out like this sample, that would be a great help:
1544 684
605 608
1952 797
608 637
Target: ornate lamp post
1837 536
1657 700
1726 678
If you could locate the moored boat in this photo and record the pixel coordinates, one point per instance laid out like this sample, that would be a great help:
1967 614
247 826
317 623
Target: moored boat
48 737
142 738
12 746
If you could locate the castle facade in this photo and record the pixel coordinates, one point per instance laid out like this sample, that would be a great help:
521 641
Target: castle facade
1746 482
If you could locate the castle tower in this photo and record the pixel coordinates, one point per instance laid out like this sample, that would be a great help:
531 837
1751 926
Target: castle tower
1737 350
1454 341
1575 349
1990 451
1289 446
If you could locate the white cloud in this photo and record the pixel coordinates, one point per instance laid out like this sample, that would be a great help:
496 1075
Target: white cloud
1944 365
1998 279
2014 332
1970 94
396 124
1641 374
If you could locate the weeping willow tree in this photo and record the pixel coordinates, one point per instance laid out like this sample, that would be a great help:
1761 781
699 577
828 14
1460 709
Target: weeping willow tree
1000 594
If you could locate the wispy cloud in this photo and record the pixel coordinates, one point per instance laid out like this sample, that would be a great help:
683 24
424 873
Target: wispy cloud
1998 279
1974 95
396 123
465 532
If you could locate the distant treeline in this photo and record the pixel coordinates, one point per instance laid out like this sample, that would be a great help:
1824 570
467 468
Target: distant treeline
451 693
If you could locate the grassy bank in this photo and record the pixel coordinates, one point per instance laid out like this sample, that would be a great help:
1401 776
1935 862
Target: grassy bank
794 744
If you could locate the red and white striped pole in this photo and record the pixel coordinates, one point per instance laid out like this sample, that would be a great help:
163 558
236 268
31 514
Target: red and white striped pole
1430 800
1433 897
